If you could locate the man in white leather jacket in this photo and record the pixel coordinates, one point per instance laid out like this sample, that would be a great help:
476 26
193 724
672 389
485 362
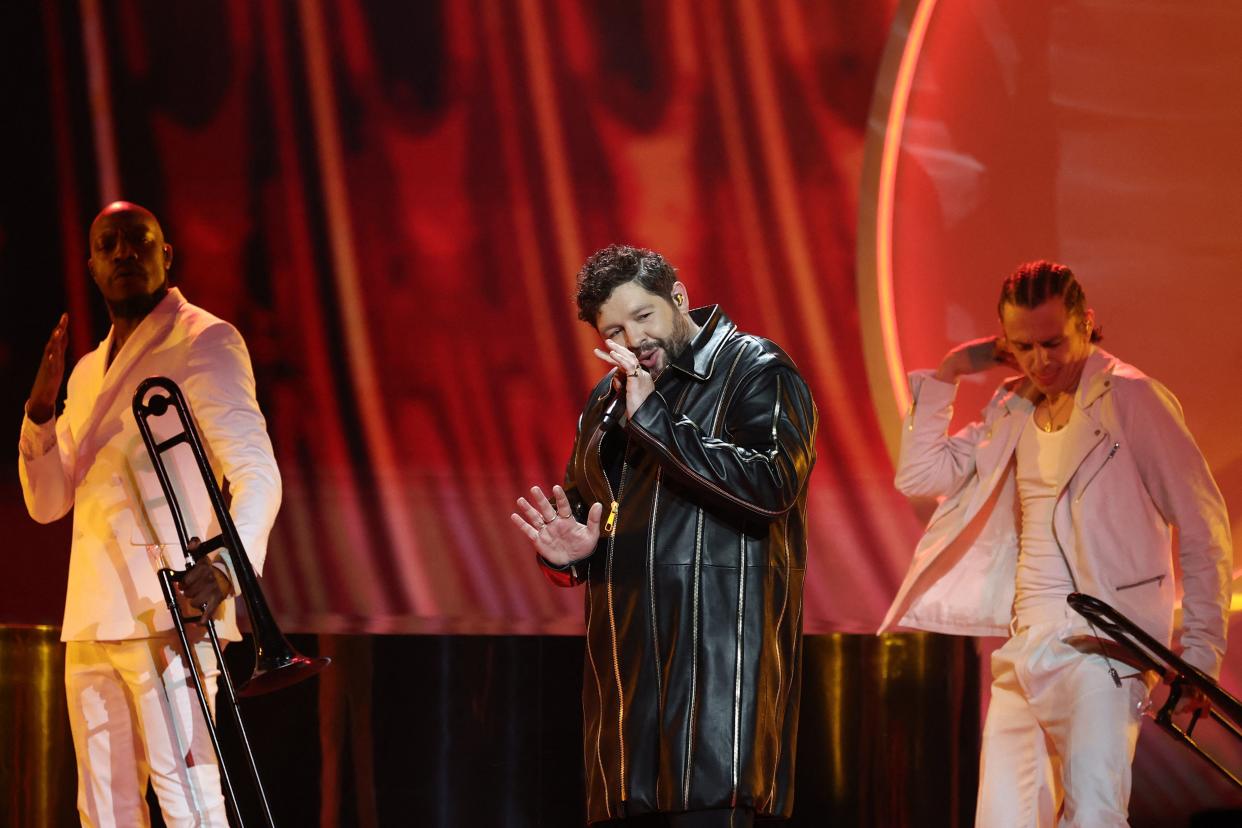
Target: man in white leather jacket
1072 481
132 711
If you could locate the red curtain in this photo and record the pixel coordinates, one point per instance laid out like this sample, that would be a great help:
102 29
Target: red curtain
392 200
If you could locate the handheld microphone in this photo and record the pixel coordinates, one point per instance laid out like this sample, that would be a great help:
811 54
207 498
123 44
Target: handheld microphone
613 411
615 406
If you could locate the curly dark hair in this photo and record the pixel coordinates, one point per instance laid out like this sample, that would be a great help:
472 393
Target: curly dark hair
615 265
1034 283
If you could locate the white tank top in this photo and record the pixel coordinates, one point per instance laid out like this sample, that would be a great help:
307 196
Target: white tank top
1043 580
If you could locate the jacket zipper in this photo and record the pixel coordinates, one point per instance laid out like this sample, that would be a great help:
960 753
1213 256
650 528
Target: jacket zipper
1112 452
599 692
1060 548
737 665
610 523
1055 537
1112 671
1155 579
694 616
694 660
741 611
611 527
651 591
651 587
698 560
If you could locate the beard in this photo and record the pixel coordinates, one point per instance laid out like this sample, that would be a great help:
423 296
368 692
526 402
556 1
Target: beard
137 307
679 339
674 345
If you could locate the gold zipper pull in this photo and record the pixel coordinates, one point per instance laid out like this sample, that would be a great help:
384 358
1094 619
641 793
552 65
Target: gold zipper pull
611 523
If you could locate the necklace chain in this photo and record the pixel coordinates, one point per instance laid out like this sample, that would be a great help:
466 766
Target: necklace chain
1051 413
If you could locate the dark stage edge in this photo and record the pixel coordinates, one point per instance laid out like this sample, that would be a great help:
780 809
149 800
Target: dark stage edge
486 731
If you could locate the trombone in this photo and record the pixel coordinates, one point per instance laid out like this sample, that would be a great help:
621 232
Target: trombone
277 664
1226 709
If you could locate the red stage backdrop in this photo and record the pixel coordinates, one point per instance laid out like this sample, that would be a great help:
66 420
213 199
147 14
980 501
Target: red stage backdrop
392 200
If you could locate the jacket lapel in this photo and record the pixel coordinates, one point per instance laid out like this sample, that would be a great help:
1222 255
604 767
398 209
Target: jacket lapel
992 459
1084 431
88 379
115 377
1082 434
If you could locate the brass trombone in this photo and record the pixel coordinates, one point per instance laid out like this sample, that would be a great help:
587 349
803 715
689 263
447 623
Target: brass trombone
277 664
1150 654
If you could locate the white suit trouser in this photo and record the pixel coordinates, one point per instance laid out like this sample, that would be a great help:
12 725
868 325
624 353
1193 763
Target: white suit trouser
135 718
1059 732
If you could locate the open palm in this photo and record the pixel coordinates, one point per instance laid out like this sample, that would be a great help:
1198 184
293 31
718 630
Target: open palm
552 530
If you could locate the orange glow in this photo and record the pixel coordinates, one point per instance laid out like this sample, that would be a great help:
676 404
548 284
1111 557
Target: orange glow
884 208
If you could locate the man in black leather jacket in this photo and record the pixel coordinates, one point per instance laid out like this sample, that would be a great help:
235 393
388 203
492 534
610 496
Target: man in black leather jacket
687 524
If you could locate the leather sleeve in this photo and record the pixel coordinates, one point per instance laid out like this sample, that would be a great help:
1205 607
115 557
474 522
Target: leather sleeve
568 483
763 457
569 576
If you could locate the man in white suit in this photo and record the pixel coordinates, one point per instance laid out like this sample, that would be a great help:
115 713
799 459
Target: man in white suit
1072 481
132 708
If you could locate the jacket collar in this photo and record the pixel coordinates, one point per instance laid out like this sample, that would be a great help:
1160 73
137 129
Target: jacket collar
699 358
153 324
1015 403
108 381
1018 394
1097 377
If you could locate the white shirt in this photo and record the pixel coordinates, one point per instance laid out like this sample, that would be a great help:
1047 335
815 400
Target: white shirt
1043 579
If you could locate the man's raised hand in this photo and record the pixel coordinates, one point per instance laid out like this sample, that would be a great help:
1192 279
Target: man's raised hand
552 530
975 356
42 403
639 382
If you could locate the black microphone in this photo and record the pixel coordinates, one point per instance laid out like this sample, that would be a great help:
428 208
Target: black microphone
615 406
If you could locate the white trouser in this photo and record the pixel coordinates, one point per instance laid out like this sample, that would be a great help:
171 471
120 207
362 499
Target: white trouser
1059 734
135 717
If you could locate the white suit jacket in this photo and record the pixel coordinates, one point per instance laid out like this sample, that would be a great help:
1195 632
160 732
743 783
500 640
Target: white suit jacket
1130 471
93 461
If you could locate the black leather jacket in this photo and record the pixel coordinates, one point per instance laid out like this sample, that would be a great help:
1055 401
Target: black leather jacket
694 601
